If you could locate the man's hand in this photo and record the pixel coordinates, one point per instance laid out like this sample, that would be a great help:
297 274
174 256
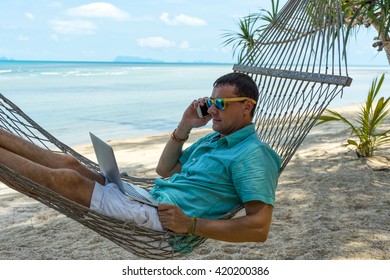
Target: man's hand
173 218
190 117
168 163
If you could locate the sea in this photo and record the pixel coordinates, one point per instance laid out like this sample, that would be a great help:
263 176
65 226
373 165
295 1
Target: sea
128 100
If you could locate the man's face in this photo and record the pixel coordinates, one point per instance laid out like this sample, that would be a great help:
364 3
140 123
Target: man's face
234 116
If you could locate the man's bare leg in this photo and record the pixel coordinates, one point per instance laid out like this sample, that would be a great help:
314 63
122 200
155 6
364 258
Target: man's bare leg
45 157
66 182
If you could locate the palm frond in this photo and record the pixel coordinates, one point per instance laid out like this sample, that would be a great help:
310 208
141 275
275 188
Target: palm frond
369 120
243 40
335 116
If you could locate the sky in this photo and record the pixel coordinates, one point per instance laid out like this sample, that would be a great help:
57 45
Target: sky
167 30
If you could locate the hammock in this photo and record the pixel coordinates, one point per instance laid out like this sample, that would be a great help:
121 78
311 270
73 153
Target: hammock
299 65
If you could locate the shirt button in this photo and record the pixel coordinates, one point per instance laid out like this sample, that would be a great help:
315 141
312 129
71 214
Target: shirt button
194 159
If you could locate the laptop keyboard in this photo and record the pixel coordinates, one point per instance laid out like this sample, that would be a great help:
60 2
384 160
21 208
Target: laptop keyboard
132 192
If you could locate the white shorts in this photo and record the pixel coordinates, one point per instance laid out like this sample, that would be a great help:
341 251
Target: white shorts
110 201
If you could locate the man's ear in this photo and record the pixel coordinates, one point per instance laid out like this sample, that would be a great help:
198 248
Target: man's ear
248 106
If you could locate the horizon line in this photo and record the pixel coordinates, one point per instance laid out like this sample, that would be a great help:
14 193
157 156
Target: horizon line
4 59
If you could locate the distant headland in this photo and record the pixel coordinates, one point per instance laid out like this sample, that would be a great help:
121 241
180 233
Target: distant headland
2 58
136 59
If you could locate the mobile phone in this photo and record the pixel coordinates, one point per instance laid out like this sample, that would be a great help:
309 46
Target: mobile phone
202 111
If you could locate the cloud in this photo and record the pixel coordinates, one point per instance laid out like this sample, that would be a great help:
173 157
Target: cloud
155 42
98 10
76 27
182 19
29 16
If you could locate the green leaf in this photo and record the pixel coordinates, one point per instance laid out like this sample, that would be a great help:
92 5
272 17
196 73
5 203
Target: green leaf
322 119
352 142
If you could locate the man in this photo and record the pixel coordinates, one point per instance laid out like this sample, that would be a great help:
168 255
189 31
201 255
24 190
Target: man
222 170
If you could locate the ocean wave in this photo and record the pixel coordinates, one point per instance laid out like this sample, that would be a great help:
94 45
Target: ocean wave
72 73
5 71
50 73
114 73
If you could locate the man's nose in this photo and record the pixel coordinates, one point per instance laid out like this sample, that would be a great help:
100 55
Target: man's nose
212 110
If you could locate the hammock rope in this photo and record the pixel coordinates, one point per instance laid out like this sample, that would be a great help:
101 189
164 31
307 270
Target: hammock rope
299 64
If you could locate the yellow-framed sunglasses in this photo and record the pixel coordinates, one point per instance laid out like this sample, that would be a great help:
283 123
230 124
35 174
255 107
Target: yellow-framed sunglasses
220 103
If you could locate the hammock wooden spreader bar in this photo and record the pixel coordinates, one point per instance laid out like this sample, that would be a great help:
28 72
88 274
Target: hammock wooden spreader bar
299 64
295 75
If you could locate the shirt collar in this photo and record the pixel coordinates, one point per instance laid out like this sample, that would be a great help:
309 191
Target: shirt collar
239 135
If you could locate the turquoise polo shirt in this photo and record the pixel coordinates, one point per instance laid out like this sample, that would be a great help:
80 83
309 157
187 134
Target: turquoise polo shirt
219 174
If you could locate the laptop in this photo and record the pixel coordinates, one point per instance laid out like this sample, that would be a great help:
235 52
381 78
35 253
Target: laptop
109 167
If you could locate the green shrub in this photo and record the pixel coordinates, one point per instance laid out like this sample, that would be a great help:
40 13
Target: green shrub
369 121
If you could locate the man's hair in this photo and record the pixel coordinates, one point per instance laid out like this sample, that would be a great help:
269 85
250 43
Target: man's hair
244 85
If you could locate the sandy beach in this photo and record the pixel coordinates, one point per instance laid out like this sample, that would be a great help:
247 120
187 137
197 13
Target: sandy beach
330 204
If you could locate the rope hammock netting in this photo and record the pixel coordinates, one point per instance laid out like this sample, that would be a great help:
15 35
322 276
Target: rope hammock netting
299 64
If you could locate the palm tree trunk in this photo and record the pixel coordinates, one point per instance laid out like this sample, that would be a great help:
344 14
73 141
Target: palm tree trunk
384 37
387 50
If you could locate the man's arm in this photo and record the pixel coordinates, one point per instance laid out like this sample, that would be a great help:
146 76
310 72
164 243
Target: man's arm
253 227
168 163
169 159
